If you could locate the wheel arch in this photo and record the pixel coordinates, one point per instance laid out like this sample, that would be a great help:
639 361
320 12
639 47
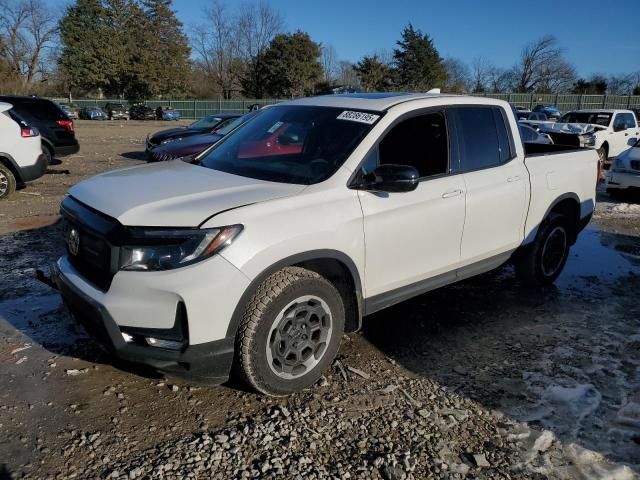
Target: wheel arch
567 204
335 266
49 145
8 161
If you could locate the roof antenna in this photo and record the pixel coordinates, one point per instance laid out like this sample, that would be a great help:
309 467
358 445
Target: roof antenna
434 90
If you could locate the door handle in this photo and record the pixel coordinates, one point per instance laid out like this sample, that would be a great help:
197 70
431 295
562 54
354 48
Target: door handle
515 178
452 193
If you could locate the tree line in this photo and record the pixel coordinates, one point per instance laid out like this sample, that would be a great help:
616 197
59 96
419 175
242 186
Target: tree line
139 49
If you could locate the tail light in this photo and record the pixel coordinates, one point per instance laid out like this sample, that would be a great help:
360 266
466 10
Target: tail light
68 124
27 132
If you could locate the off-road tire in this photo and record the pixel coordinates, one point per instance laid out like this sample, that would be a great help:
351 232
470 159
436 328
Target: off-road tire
7 182
251 365
529 265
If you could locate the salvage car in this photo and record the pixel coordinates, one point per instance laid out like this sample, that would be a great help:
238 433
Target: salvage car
531 135
245 258
167 113
549 110
613 131
521 112
142 112
205 126
57 132
71 110
93 113
21 157
193 145
116 111
624 174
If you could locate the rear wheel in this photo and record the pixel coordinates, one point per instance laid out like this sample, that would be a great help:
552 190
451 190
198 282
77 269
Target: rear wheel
542 261
47 154
7 182
290 332
602 159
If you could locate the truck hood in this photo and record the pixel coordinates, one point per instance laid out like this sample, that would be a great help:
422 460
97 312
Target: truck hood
575 128
173 194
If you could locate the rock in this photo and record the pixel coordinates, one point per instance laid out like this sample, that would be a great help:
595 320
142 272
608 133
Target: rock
544 441
76 371
393 473
221 438
481 460
360 373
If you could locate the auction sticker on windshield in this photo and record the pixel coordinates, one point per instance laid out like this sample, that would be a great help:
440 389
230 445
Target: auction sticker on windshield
362 117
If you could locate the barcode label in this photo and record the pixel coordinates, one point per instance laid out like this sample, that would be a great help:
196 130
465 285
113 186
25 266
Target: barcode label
361 117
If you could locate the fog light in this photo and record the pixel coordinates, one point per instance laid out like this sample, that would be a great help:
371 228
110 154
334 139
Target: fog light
127 338
160 343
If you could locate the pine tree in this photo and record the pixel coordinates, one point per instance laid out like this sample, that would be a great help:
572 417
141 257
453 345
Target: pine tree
374 75
292 66
83 36
163 50
419 65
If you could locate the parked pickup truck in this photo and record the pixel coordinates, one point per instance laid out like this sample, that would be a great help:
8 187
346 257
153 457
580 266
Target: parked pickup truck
259 258
614 131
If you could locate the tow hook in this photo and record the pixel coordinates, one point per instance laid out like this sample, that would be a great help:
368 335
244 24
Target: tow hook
48 278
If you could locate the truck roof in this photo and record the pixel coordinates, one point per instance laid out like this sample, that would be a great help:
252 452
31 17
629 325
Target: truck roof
377 102
603 110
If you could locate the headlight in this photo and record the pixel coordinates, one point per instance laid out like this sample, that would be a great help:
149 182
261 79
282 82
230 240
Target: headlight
161 249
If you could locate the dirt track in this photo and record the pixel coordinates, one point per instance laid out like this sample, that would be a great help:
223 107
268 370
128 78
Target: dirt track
537 383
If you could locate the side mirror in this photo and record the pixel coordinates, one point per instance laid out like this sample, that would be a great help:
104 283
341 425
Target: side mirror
620 128
392 178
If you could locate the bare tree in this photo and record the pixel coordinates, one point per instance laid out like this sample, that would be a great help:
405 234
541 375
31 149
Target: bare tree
230 47
329 60
458 75
347 75
258 23
542 67
218 47
29 28
480 74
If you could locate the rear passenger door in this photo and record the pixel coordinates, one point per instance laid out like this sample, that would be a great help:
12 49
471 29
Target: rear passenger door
497 182
413 238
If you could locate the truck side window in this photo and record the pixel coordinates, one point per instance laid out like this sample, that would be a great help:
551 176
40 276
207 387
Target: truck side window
420 142
478 139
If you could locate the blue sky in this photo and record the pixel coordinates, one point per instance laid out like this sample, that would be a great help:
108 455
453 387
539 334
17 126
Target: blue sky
598 37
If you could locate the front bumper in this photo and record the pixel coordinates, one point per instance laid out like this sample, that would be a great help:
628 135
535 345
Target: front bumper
623 181
146 309
34 171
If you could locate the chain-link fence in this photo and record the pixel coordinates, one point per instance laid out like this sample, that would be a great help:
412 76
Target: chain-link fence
194 109
569 102
189 109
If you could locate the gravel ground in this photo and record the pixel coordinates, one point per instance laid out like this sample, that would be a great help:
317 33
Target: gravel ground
483 379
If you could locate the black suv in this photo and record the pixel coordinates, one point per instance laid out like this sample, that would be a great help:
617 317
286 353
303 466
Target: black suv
116 111
56 129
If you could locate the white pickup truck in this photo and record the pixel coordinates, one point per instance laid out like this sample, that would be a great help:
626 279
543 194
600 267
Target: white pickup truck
256 256
614 130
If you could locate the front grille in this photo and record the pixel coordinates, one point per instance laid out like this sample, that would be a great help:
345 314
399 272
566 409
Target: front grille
93 258
162 157
635 164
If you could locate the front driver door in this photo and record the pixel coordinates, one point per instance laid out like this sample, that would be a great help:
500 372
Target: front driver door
412 239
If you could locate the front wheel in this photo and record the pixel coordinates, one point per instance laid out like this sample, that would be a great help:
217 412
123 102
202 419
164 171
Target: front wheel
290 332
542 261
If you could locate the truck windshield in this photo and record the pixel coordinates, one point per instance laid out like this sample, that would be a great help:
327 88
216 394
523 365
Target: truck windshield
594 118
291 144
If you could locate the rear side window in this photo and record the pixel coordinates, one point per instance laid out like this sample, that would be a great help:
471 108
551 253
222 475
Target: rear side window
483 141
420 142
39 110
